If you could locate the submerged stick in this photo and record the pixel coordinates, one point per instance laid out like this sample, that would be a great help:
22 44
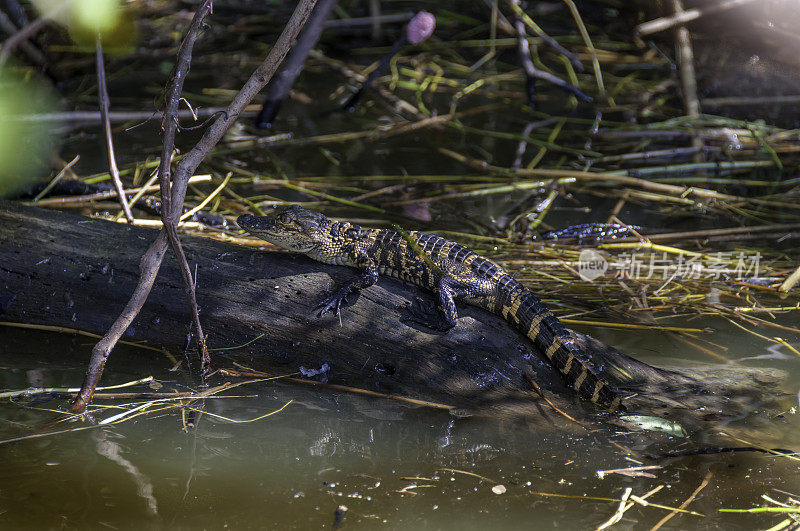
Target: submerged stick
686 502
419 28
44 390
285 79
336 387
600 498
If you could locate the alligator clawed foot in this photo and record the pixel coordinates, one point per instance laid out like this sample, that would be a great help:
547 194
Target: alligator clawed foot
334 302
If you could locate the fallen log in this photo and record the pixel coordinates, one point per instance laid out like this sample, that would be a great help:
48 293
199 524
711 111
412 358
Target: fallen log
66 270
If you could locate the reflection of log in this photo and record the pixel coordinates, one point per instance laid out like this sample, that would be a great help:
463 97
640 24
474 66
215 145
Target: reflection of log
65 270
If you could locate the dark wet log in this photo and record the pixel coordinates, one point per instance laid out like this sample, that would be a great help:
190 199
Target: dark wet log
65 270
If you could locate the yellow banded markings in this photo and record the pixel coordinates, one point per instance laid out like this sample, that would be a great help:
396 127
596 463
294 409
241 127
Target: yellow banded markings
512 309
445 251
579 380
536 324
469 259
568 364
500 273
596 394
554 346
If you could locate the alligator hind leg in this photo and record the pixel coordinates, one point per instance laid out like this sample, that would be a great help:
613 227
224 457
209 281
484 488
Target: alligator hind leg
427 313
442 316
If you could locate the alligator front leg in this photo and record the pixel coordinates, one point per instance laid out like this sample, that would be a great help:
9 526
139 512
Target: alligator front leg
365 280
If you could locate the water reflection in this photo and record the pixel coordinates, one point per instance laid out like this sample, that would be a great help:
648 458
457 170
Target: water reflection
390 465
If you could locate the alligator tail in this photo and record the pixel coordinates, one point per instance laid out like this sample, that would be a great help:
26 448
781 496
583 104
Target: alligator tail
531 317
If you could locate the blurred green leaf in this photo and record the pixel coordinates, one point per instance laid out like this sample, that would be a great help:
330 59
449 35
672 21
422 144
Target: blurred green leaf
25 144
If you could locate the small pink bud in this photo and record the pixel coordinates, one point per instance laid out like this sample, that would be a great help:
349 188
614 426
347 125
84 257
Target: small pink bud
420 27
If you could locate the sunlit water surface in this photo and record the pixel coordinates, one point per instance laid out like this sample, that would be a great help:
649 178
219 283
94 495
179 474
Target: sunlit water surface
392 466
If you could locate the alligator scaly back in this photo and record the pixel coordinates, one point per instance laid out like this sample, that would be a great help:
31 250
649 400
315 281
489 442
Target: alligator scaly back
522 309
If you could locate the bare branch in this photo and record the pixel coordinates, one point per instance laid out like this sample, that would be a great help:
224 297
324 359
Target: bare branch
151 261
18 38
102 95
532 73
251 88
283 82
148 269
172 98
121 116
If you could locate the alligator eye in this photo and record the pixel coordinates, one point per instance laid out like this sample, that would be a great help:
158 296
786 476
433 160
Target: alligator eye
283 219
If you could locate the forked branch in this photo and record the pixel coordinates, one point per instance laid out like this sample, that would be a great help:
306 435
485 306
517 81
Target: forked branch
151 260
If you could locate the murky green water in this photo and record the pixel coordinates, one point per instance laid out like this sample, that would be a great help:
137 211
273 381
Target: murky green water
388 464
393 467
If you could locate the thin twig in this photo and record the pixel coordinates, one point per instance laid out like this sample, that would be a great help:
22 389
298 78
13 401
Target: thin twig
547 39
19 38
57 178
602 498
121 116
598 74
625 505
621 507
99 196
539 392
102 95
172 99
716 233
686 502
688 78
531 72
45 390
170 126
335 387
665 23
204 202
77 332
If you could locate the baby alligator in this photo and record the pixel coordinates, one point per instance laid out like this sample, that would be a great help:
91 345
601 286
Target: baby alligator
451 271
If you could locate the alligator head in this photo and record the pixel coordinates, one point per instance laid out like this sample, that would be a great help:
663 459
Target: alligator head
293 228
